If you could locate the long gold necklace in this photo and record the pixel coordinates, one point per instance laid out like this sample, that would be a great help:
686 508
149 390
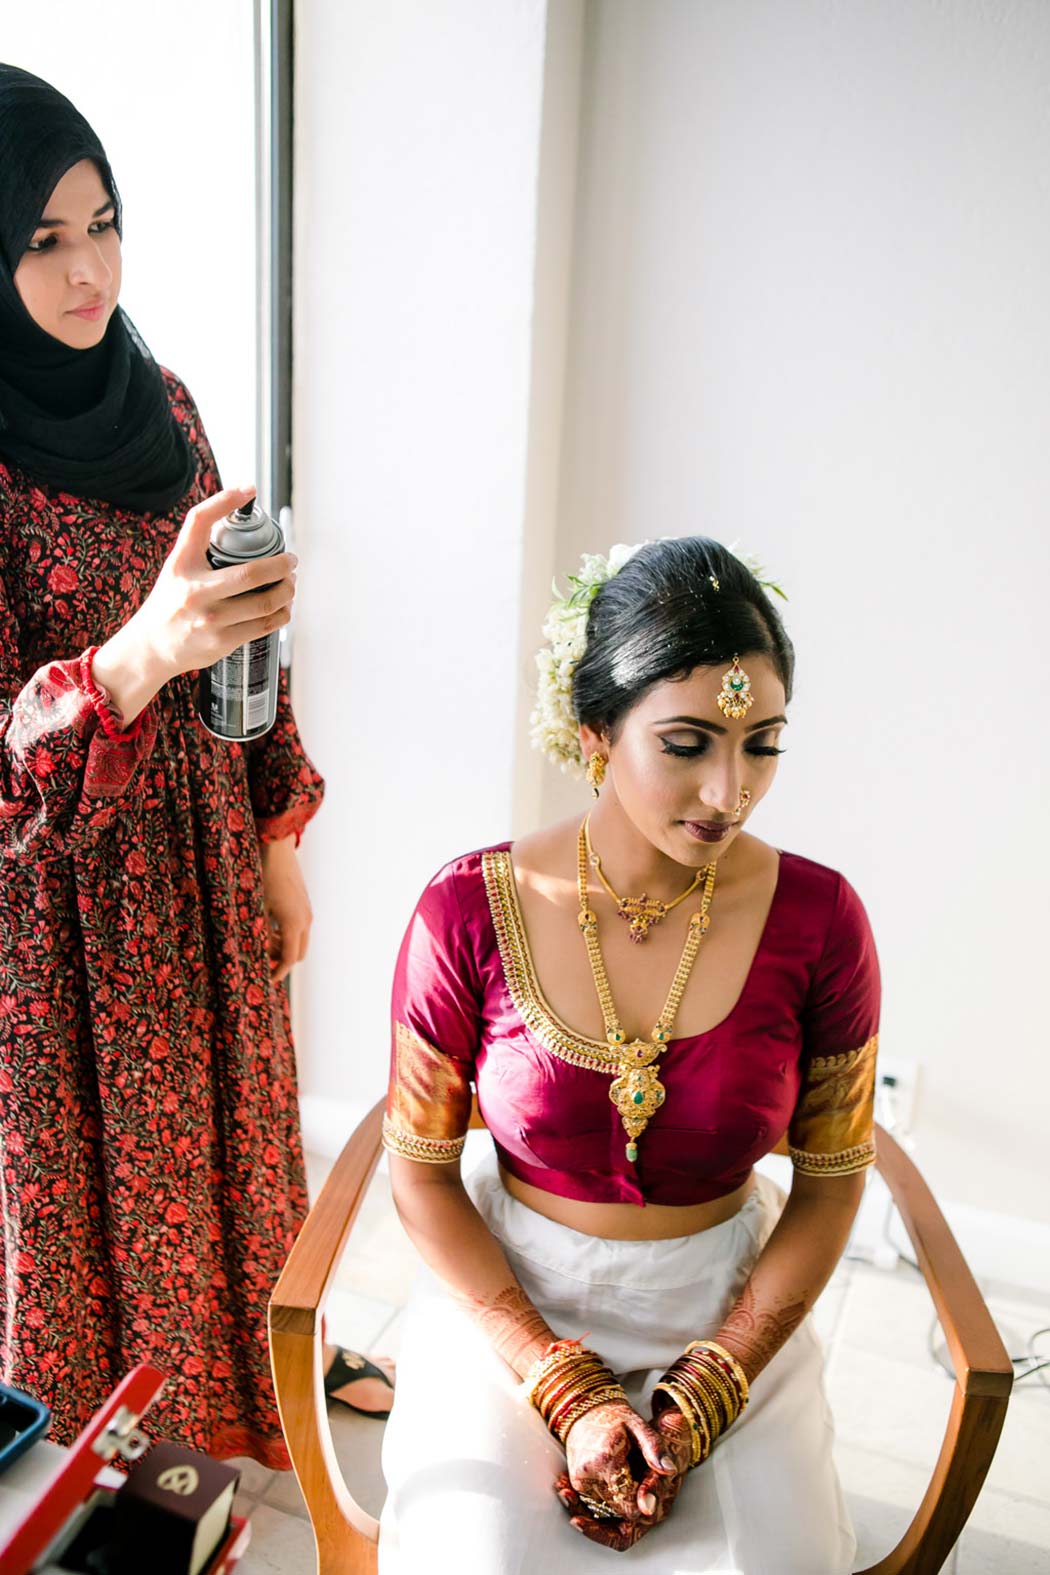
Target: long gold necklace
641 912
636 1090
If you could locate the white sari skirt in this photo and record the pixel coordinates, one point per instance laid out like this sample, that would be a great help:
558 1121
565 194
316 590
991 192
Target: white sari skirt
470 1466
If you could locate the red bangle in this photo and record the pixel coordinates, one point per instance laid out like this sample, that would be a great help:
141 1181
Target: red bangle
108 720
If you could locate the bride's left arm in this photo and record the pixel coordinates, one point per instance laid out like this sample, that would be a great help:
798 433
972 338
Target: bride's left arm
792 1269
831 1142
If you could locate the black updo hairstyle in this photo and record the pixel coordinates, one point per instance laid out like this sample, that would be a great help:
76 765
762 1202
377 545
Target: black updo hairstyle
661 616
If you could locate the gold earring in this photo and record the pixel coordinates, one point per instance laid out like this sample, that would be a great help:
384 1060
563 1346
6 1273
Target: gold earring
745 799
735 698
596 772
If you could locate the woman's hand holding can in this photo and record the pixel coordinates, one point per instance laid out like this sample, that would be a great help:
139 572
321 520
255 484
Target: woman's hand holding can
194 615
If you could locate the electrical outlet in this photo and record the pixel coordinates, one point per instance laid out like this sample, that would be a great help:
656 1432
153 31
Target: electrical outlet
896 1086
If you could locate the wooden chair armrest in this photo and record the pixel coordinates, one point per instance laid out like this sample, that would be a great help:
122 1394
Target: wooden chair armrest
346 1534
978 1355
983 1373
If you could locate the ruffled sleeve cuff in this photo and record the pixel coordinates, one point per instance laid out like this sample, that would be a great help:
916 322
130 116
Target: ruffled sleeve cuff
115 752
290 823
286 789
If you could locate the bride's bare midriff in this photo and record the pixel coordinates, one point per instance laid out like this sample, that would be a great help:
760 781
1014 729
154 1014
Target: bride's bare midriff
626 1221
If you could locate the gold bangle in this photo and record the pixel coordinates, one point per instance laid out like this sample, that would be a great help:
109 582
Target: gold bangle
720 1387
564 1373
681 1404
559 1390
698 1423
550 1362
738 1371
549 1367
708 1409
710 1403
585 1403
558 1382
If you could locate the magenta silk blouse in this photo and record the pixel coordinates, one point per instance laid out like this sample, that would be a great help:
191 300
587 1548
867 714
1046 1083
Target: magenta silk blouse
796 1053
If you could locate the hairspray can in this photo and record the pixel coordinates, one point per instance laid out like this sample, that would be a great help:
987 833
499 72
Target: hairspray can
238 695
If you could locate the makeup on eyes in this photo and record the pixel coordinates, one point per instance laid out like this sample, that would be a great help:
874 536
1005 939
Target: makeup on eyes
694 751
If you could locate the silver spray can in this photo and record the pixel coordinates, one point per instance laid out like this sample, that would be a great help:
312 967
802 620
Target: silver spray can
238 695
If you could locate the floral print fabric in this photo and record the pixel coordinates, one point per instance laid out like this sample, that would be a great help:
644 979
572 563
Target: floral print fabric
151 1156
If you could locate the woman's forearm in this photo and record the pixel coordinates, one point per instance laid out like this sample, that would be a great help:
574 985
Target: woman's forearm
792 1269
127 673
454 1241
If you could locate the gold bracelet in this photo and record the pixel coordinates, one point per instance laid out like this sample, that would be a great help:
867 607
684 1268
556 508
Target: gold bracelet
720 1387
708 1409
703 1438
567 1372
738 1371
565 1367
709 1374
681 1404
585 1403
562 1386
557 1355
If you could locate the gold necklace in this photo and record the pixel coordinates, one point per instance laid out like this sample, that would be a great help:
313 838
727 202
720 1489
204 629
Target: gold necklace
641 912
636 1090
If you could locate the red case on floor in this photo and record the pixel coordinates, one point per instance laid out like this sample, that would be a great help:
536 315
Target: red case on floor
114 1425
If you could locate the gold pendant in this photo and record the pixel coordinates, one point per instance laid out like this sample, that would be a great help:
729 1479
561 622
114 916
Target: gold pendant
641 914
637 1091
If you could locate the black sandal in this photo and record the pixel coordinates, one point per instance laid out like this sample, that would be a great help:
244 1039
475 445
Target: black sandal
349 1367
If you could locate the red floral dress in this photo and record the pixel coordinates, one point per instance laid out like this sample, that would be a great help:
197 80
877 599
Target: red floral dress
149 1132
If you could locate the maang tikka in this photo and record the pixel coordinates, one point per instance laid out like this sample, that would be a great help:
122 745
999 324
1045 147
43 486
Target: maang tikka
735 698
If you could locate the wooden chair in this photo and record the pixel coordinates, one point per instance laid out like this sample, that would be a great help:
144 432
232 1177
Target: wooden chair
347 1535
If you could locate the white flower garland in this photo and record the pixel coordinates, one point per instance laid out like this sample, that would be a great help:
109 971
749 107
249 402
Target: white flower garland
552 725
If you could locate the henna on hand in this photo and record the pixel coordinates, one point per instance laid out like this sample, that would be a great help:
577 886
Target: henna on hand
518 1333
619 1535
597 1450
754 1332
677 1441
669 1442
609 1450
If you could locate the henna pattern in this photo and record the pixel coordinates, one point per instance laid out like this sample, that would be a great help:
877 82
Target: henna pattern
598 1447
518 1333
621 1534
754 1333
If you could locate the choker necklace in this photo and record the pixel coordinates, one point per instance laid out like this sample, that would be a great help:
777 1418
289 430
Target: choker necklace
636 1090
641 912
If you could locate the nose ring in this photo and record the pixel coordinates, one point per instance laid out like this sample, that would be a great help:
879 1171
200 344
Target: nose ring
744 801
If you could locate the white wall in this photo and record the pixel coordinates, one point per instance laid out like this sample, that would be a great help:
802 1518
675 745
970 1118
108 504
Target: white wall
810 311
170 92
417 136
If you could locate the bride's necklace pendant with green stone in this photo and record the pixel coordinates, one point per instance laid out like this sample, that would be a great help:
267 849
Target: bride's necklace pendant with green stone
636 1090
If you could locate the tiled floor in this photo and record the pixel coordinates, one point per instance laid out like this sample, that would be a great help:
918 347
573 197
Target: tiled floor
889 1397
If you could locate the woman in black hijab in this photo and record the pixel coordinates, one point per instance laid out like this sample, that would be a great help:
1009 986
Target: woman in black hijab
82 402
150 897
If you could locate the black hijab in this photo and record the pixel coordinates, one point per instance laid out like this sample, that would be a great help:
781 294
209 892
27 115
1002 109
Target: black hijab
96 423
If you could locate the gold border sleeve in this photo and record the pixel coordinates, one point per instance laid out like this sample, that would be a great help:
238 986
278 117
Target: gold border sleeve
428 1101
832 1130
